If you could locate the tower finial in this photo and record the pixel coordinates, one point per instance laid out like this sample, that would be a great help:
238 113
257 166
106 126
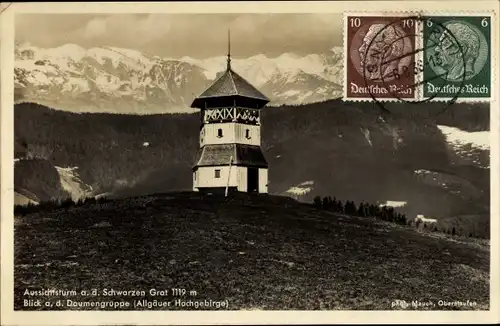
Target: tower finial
228 49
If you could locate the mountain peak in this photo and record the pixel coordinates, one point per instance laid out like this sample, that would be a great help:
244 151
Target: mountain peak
258 57
288 55
69 50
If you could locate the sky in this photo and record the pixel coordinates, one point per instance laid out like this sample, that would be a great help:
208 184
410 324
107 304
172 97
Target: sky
194 35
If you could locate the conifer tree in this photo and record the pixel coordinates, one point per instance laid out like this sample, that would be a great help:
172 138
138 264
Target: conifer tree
317 201
330 203
340 207
325 202
334 206
346 207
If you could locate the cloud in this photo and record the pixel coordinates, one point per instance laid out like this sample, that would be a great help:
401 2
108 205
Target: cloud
249 23
195 35
127 28
95 28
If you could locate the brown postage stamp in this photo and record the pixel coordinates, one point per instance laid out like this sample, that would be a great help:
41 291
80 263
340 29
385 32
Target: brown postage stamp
379 57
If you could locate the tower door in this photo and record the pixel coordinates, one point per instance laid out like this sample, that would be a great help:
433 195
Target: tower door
253 179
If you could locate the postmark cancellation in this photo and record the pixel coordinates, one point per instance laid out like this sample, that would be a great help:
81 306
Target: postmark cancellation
417 57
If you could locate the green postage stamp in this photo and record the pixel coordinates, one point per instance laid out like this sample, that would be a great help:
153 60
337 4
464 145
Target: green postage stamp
457 57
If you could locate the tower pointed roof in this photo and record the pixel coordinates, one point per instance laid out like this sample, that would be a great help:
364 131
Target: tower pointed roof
230 84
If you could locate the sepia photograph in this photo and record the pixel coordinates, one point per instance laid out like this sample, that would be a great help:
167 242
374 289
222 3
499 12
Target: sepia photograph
241 161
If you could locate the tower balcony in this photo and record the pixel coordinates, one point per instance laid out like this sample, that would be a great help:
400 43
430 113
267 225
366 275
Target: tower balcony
231 114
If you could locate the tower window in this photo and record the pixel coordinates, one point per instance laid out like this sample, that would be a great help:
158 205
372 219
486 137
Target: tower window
247 134
217 174
219 133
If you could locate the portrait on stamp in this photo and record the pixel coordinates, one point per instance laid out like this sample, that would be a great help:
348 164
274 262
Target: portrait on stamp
389 40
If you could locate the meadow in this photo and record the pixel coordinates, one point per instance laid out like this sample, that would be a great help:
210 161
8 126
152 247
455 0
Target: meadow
251 251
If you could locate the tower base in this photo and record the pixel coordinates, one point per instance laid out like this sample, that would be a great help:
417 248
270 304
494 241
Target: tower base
216 191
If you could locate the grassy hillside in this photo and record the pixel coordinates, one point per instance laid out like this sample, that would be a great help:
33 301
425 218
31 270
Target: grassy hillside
256 252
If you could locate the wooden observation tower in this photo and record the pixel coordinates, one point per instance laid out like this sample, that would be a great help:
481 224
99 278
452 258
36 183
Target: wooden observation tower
230 157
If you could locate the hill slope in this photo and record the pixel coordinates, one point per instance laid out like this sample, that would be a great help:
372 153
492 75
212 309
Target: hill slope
259 252
354 152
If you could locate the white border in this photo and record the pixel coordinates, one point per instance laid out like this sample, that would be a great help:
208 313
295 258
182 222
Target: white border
9 317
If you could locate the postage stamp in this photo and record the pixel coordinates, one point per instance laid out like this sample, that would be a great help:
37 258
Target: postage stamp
379 57
417 57
457 55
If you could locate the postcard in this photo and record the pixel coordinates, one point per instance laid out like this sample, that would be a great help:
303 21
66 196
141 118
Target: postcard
249 162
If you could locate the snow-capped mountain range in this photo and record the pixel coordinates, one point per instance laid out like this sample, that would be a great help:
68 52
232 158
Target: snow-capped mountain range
109 79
